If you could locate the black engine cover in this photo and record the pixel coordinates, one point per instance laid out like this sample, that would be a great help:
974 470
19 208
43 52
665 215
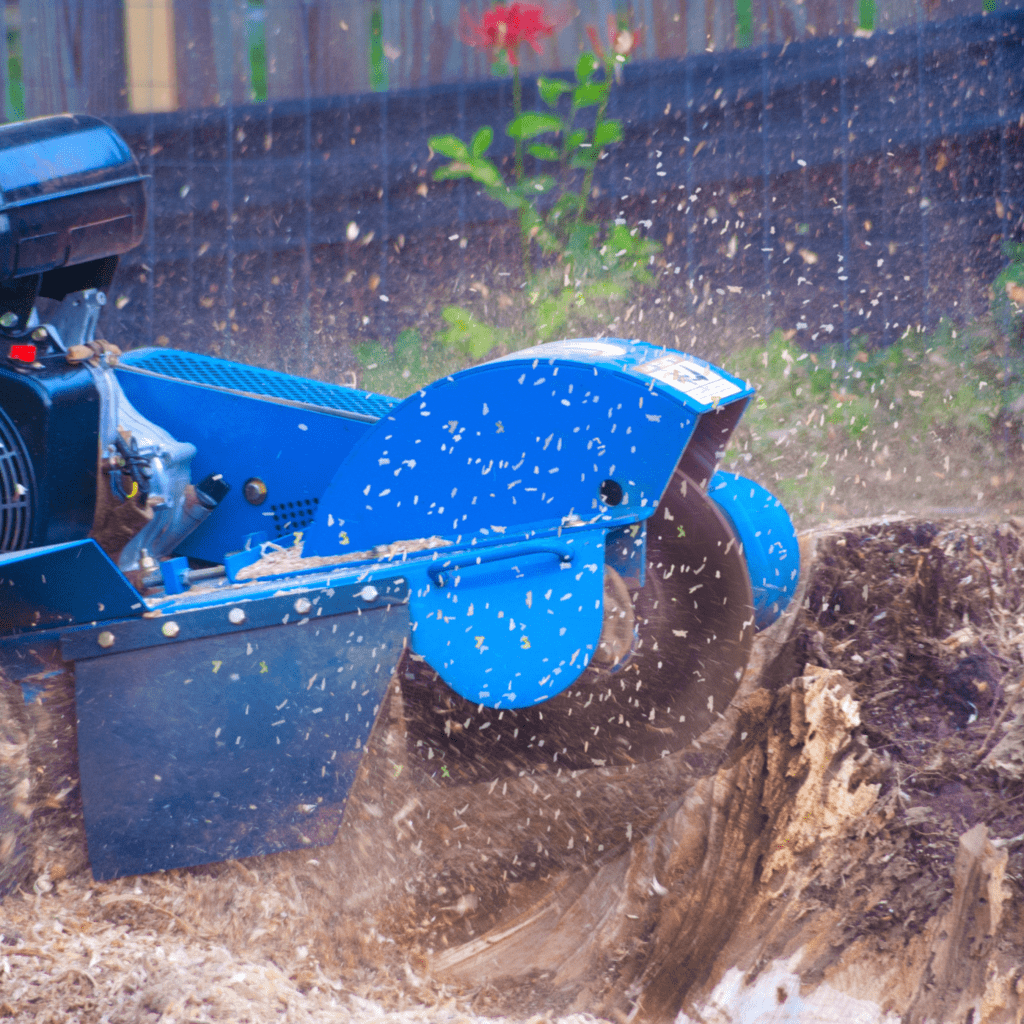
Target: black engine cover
49 437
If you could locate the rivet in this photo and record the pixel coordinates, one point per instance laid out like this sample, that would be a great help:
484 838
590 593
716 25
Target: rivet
303 605
8 319
170 629
236 616
369 593
105 639
39 334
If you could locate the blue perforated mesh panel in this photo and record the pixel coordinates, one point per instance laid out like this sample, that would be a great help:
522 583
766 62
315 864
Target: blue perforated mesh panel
220 373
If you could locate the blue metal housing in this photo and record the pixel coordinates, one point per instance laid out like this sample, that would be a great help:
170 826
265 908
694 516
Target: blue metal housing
528 439
260 754
250 423
70 192
540 542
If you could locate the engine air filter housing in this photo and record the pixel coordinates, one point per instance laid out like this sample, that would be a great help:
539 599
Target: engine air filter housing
70 192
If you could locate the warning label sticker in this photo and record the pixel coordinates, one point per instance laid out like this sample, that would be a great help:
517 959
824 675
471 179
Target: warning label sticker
693 379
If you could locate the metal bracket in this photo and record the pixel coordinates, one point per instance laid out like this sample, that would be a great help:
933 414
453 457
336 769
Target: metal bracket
174 626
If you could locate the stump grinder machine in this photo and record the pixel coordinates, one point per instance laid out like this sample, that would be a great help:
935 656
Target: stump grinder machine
234 567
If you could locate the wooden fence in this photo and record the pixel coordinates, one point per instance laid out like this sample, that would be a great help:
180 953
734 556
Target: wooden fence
110 56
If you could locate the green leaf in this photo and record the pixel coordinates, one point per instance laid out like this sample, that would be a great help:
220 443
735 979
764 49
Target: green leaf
531 223
504 195
449 172
606 132
584 159
529 189
589 94
482 140
529 125
552 89
581 239
574 139
450 146
485 172
370 353
586 66
478 168
565 206
544 152
607 290
551 314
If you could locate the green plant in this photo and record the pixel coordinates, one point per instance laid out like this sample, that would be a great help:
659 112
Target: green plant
1007 304
948 388
744 22
256 43
406 367
15 98
585 264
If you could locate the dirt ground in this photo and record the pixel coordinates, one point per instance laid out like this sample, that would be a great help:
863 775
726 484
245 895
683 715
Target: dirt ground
883 725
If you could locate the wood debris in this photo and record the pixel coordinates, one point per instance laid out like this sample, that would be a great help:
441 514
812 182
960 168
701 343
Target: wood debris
277 560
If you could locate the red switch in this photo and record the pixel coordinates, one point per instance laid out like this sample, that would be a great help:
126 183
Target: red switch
23 353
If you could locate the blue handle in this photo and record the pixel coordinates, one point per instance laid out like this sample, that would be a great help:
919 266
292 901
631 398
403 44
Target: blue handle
563 550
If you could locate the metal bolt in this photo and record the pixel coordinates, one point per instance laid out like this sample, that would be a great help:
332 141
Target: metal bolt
236 616
170 629
303 605
8 319
369 593
254 490
105 639
39 334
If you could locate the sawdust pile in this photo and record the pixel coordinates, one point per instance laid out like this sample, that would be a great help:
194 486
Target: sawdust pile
848 840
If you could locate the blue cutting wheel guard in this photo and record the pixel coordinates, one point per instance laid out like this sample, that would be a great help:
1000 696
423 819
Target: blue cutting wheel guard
769 540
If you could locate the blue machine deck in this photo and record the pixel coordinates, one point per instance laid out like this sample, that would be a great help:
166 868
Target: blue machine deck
211 372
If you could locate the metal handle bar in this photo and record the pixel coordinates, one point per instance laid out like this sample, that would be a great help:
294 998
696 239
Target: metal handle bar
561 549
